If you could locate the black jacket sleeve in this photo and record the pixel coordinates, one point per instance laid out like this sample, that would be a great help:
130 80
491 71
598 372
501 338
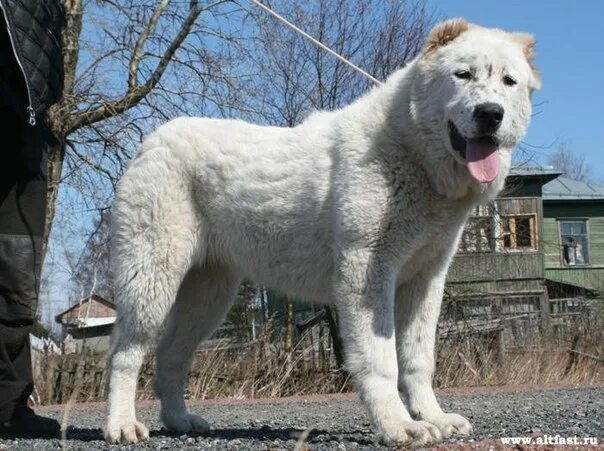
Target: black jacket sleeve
34 28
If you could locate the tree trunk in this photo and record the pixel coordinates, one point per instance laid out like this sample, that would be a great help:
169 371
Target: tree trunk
59 114
55 166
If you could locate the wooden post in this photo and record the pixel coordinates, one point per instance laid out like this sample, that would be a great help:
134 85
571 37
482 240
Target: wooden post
289 328
336 340
544 305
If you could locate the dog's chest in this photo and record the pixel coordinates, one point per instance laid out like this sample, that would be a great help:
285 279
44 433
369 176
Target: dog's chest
432 235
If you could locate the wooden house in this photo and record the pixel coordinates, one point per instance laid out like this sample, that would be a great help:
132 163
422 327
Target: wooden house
573 228
87 325
534 254
498 271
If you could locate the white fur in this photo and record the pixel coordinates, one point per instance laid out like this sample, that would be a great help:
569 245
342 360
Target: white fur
361 208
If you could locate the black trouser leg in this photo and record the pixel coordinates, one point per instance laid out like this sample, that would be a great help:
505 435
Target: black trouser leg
22 214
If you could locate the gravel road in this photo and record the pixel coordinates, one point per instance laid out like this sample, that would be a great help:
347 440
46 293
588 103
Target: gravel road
339 422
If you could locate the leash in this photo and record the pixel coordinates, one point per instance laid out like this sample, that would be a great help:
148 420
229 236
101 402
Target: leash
316 42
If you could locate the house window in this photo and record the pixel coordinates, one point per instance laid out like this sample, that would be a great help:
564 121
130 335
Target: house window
518 232
478 232
574 242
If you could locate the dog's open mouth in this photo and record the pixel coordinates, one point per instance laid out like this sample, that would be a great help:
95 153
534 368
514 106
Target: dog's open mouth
480 154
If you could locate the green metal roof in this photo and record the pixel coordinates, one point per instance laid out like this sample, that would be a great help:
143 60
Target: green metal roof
563 188
557 186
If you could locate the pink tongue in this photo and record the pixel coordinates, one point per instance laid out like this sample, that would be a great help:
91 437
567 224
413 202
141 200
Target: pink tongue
482 159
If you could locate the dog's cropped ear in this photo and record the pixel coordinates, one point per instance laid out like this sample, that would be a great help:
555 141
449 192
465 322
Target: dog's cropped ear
528 45
445 32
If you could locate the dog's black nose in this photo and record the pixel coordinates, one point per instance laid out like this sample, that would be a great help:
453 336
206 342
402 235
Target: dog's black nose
488 116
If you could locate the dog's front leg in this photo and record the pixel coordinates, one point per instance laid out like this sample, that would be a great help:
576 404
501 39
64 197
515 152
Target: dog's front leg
417 308
365 298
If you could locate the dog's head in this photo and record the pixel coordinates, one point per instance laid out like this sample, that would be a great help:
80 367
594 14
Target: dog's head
473 99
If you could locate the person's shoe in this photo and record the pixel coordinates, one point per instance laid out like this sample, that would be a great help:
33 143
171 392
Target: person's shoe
25 423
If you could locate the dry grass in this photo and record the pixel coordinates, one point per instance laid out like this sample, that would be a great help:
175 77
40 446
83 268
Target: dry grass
262 369
538 360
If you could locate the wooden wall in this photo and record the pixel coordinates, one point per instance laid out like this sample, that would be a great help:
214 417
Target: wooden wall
591 275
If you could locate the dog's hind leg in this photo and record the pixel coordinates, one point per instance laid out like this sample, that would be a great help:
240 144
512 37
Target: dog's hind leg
143 304
155 238
201 305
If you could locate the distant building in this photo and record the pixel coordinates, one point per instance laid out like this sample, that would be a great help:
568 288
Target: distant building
573 233
43 345
498 270
535 253
87 325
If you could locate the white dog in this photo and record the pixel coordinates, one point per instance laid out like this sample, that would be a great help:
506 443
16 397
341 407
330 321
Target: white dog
361 208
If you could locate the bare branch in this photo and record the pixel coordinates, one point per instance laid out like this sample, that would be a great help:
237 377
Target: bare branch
142 38
573 164
135 94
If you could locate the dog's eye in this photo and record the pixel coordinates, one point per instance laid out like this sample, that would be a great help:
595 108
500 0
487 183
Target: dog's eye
508 81
463 74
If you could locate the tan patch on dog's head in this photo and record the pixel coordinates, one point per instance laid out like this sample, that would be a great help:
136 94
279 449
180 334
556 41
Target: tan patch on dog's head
445 32
528 45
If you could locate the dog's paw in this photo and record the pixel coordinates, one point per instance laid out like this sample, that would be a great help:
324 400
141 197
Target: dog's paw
185 423
127 432
433 430
411 434
450 424
198 424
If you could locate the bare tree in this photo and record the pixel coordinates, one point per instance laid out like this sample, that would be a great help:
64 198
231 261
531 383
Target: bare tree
92 273
294 76
128 66
571 163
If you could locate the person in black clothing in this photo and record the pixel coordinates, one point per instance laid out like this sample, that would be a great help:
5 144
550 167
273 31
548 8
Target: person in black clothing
31 80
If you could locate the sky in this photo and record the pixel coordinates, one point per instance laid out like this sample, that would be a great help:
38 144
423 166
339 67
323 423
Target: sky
570 58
